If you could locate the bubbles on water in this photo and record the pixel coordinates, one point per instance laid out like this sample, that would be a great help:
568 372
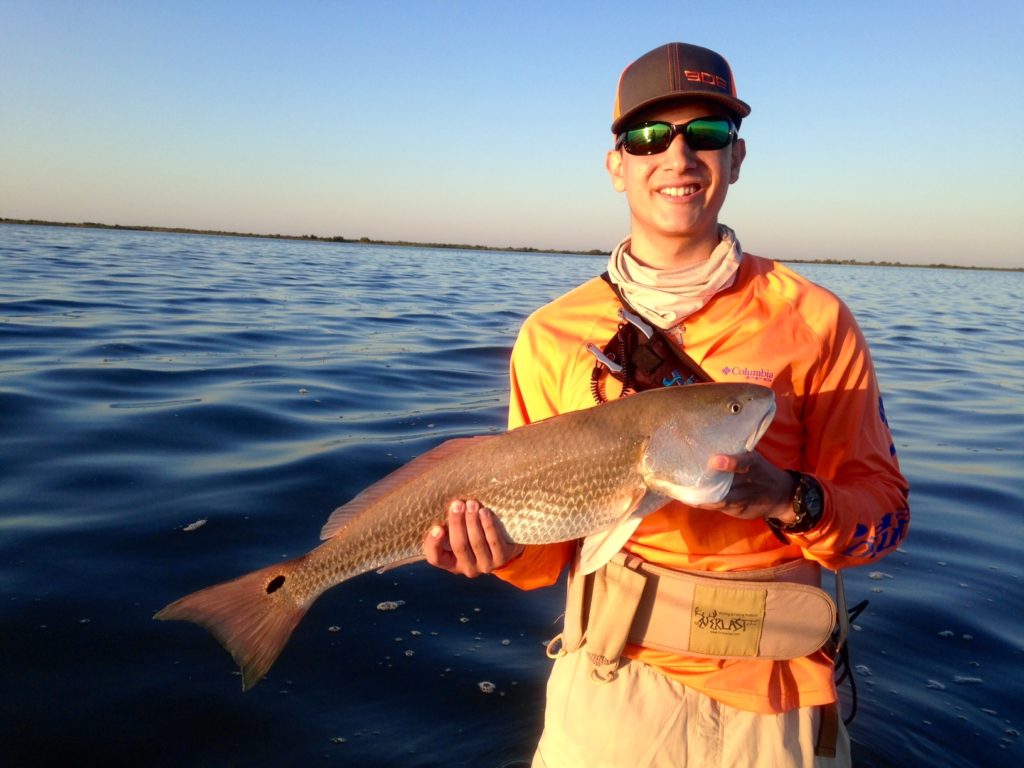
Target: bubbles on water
951 633
967 680
194 526
486 686
390 605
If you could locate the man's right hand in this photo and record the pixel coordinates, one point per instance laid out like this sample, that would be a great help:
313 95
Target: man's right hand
472 541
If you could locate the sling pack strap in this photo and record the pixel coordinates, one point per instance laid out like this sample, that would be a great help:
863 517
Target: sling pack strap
641 356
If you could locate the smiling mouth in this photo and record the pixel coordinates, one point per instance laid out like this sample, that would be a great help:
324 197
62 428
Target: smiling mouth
686 191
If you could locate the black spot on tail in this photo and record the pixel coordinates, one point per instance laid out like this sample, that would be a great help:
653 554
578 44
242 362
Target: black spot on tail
275 584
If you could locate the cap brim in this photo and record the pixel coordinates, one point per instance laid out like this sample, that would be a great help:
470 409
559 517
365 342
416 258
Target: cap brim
737 107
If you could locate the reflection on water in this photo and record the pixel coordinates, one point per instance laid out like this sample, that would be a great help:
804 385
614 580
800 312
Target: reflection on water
151 381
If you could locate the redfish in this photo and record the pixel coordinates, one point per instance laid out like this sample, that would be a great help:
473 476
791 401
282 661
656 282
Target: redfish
591 474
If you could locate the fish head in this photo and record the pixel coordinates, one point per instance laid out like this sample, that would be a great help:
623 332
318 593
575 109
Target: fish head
703 420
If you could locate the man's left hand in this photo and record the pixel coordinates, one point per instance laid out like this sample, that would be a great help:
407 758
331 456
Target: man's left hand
759 488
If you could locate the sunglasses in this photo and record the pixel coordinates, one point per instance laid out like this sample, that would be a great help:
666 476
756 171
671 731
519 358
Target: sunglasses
656 136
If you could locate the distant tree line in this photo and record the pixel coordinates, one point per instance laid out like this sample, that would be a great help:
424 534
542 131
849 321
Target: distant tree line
316 238
453 246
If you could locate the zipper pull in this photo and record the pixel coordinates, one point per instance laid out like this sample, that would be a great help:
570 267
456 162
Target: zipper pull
636 320
602 358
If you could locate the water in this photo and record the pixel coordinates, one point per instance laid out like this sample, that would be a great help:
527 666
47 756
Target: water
149 382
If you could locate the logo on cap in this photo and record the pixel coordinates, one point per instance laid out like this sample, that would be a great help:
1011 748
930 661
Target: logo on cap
708 78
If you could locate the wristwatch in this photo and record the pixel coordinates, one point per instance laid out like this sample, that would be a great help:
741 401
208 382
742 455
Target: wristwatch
808 503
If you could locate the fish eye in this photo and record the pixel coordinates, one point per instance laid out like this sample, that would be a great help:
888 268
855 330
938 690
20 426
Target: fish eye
735 407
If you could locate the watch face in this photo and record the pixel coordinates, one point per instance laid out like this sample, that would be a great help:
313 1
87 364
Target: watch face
808 503
812 500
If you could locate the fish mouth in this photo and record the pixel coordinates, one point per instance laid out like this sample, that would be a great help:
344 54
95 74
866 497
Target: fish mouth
762 427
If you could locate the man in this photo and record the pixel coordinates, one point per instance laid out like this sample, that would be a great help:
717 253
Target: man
823 486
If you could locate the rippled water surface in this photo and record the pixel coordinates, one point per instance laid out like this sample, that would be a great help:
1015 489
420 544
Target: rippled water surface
176 410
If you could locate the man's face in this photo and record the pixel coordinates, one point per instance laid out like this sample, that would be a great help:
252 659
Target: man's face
675 196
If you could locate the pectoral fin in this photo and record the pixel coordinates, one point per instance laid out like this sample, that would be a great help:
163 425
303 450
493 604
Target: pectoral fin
710 487
598 548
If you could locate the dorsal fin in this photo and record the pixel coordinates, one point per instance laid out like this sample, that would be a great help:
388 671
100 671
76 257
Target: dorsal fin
389 483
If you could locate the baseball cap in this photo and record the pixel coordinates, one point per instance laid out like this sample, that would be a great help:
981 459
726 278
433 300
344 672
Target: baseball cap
675 71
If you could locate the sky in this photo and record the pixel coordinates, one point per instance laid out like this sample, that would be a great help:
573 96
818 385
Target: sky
880 131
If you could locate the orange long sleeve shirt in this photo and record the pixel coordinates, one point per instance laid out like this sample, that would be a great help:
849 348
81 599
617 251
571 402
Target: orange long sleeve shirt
772 327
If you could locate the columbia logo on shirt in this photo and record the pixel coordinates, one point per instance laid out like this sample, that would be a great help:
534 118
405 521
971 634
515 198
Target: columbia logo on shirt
750 374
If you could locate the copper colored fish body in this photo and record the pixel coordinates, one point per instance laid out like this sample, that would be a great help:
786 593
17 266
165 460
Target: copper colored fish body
593 473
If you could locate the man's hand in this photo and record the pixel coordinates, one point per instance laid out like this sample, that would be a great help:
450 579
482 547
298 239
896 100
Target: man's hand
472 542
759 488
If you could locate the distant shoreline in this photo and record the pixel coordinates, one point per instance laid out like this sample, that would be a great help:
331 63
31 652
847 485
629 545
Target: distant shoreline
306 238
449 246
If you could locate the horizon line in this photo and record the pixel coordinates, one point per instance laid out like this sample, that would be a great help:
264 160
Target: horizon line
449 246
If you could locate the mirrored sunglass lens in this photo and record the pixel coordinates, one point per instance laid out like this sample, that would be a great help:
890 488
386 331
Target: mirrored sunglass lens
707 134
649 138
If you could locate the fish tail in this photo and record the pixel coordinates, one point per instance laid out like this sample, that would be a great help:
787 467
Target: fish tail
252 616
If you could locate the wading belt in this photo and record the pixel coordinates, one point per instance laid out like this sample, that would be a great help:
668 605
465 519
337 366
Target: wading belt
774 613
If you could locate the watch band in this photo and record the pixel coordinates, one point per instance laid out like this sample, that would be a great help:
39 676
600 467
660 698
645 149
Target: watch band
808 504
